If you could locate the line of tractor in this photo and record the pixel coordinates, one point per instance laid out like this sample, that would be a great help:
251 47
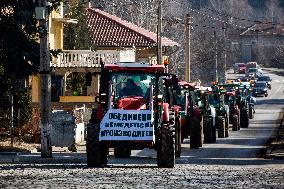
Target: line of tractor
141 106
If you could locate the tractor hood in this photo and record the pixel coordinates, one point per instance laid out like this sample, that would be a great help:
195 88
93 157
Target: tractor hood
132 103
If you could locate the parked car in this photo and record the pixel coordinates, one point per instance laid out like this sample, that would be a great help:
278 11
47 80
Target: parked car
260 88
239 68
265 78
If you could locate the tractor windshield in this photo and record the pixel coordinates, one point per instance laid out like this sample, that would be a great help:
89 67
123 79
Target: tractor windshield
214 100
126 85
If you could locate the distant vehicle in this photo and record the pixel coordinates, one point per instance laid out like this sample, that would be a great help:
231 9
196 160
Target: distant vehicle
239 68
254 73
260 88
242 79
265 78
251 65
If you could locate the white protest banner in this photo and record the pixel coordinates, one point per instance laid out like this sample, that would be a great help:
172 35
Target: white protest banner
120 124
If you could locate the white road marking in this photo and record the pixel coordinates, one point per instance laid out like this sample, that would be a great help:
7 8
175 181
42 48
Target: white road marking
277 81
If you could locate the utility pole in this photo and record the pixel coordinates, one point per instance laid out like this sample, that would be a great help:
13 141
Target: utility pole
45 82
187 48
257 59
225 52
216 57
159 34
12 117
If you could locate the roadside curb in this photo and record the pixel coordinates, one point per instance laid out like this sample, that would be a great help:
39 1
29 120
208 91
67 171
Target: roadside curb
14 153
275 148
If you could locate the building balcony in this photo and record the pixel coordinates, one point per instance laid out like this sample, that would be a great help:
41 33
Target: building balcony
84 58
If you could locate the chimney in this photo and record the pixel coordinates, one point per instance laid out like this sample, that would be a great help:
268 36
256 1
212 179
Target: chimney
87 4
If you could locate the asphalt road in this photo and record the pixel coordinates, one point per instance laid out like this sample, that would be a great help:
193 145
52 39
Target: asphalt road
234 162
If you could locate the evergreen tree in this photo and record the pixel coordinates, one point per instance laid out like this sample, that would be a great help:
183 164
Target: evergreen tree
76 36
19 51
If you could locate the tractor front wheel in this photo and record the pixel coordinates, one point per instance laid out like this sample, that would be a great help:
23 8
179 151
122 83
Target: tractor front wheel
221 126
208 129
178 138
166 147
251 115
235 122
226 127
97 152
196 133
244 118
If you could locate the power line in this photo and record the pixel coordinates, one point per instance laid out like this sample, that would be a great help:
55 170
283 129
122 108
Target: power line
245 19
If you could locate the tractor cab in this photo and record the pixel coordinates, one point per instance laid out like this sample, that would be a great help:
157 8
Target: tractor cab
217 100
208 114
184 100
243 101
230 94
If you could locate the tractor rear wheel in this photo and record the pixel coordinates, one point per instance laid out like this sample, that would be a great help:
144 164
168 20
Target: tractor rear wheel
235 122
221 126
196 133
244 118
166 147
121 152
226 127
97 152
178 138
208 129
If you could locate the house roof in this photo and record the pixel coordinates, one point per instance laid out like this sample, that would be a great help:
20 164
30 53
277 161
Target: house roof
108 30
264 29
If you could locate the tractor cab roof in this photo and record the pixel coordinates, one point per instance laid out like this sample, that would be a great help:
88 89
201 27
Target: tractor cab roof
242 84
134 66
186 85
229 85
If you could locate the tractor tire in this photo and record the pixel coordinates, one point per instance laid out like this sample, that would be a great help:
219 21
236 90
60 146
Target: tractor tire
121 152
226 127
239 119
185 129
244 118
196 133
166 147
251 115
214 132
97 152
221 126
235 123
208 129
178 137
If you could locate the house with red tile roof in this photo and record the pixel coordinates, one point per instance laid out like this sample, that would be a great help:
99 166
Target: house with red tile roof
258 36
113 40
112 35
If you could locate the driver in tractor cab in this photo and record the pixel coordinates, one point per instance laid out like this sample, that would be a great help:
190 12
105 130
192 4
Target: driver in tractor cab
131 89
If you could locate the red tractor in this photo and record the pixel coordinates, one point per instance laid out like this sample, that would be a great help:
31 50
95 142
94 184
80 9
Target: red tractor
136 110
191 114
184 103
